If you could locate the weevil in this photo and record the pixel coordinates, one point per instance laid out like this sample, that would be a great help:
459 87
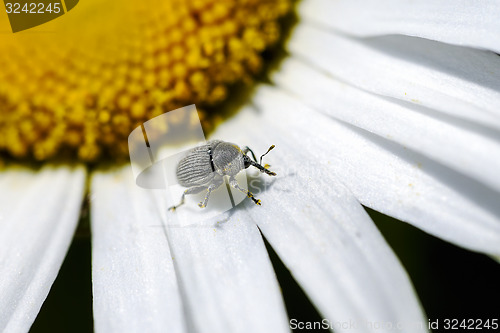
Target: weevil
205 167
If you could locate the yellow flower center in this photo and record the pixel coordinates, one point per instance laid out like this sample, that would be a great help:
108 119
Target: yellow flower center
78 85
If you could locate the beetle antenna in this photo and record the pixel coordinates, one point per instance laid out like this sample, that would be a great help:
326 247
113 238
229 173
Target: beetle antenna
247 149
270 148
262 169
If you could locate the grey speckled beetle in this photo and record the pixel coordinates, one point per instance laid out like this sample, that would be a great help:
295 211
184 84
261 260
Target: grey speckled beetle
205 166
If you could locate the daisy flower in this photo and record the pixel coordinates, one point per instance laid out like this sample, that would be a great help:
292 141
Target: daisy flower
390 105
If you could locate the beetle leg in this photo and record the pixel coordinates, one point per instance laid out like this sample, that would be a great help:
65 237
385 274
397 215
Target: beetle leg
192 190
213 186
234 183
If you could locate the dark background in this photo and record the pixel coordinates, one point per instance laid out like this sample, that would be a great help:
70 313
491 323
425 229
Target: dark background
451 282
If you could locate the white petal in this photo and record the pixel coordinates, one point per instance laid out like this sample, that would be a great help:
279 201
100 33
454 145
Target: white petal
388 177
134 282
227 279
322 233
462 22
223 272
467 151
38 216
456 81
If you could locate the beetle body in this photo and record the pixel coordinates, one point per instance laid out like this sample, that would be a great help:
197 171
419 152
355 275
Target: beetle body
196 168
204 168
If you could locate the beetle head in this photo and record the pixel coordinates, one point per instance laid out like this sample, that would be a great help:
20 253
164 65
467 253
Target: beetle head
247 162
